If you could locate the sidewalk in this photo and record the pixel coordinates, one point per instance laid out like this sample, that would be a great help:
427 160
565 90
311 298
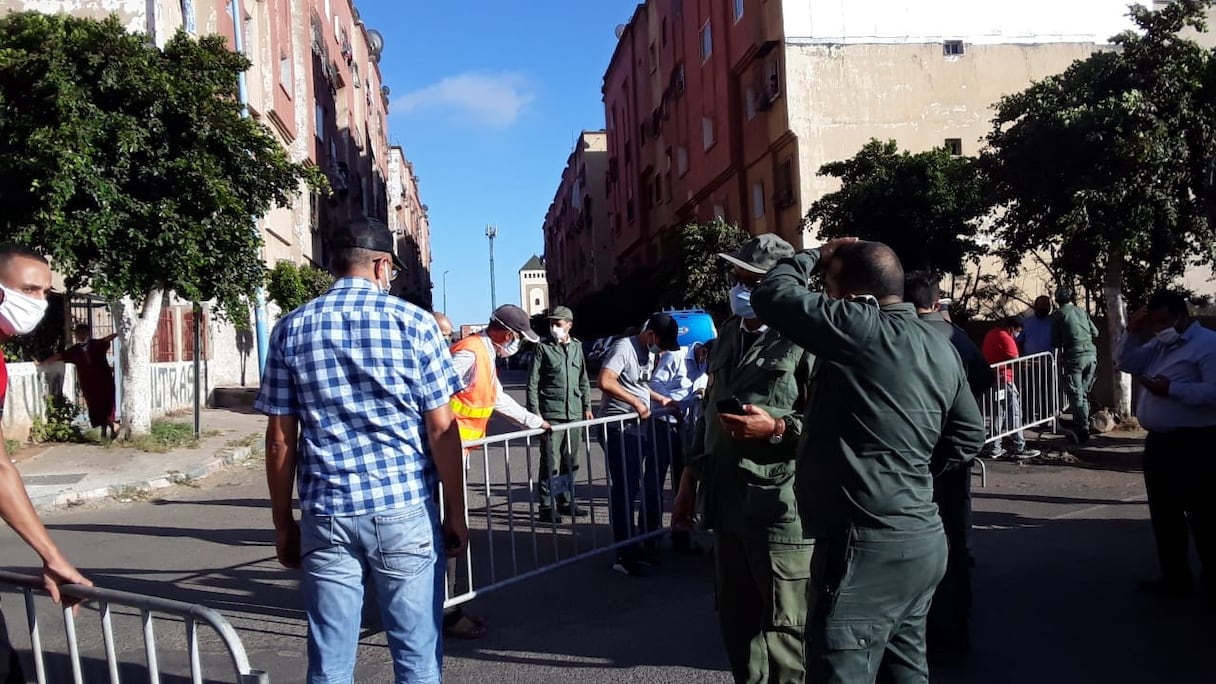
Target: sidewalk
69 474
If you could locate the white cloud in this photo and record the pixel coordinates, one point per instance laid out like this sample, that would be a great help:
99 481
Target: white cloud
490 99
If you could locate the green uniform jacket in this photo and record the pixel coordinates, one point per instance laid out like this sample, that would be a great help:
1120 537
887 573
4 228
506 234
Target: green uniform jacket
747 487
558 387
887 389
1073 333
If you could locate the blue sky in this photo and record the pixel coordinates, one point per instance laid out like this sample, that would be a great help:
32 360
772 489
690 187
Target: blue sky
487 100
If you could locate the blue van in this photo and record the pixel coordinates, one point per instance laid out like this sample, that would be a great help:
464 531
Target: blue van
696 326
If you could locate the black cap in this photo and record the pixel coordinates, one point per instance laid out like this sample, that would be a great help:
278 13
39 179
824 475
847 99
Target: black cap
366 233
516 320
667 329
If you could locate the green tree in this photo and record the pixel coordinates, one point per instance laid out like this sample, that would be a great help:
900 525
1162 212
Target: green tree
291 286
1103 165
927 206
693 276
134 167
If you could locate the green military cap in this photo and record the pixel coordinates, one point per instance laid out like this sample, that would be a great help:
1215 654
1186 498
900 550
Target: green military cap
561 313
760 253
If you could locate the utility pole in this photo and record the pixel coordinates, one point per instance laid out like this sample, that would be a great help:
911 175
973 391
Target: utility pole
445 291
491 233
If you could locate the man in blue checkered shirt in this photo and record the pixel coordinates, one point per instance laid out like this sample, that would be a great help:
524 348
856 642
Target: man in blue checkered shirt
357 386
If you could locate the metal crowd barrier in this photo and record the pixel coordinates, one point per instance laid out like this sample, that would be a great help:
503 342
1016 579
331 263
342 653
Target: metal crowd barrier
1026 396
192 615
508 543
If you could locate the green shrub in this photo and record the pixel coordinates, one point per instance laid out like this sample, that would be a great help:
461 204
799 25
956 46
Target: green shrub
291 286
57 423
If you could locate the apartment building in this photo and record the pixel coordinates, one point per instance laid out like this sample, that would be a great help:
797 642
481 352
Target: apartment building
407 217
579 256
730 108
316 84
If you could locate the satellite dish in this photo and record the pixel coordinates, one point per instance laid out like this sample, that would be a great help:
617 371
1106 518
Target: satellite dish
375 43
385 90
620 31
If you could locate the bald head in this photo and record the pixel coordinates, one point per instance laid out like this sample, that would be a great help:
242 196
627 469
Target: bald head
445 324
866 268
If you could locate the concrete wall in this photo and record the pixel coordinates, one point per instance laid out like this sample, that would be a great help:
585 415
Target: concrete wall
29 385
841 96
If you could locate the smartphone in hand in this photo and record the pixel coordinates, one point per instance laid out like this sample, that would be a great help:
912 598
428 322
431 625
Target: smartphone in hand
731 407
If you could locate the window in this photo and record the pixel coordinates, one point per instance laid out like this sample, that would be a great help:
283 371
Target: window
738 10
785 184
654 58
319 122
954 146
611 118
773 68
664 31
953 48
751 104
719 212
285 73
629 211
758 200
679 79
707 42
681 161
707 132
536 301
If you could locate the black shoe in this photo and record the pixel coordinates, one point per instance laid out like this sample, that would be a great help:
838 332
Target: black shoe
630 567
649 556
1167 589
546 515
573 511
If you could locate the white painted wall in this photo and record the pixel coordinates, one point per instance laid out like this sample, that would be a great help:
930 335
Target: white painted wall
973 21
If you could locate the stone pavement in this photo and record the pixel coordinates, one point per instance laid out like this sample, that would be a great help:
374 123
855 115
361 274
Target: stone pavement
69 474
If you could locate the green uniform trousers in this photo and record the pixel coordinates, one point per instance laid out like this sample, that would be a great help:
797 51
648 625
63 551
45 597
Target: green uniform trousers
762 592
871 598
558 457
1079 377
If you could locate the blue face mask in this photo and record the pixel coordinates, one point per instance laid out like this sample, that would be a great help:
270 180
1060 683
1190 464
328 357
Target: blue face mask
741 302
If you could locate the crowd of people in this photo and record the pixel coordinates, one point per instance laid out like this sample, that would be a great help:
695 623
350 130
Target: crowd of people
824 437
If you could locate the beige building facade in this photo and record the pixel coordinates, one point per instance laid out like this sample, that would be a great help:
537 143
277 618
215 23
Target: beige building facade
579 252
533 287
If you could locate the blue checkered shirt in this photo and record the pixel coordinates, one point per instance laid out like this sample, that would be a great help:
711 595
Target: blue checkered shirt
359 368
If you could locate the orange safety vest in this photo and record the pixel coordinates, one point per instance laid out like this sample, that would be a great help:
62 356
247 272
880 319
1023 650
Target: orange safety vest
474 404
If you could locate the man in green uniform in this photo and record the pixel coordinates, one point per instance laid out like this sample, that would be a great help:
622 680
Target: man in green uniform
560 392
1073 333
887 390
745 465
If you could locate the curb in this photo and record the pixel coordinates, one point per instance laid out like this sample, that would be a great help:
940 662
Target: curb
222 460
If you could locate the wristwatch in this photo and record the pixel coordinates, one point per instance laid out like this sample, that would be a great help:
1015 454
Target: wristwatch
779 427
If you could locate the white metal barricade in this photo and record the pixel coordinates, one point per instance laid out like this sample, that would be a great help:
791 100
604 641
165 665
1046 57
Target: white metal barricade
508 540
148 606
1026 396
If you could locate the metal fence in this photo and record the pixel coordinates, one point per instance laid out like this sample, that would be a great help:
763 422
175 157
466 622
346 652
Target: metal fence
149 607
510 542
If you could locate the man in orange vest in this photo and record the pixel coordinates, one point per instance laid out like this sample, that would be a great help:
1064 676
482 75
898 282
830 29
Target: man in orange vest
474 359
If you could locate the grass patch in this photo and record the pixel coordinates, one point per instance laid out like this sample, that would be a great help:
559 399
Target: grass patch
246 441
12 446
165 436
129 494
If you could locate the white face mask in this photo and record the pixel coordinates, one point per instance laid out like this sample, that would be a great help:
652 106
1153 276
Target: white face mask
741 302
559 333
1169 336
509 349
22 311
385 286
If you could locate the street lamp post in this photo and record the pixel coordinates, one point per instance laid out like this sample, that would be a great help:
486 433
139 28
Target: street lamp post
445 291
491 233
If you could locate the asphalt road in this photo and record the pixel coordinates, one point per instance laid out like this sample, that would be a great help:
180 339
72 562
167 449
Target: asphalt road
1059 550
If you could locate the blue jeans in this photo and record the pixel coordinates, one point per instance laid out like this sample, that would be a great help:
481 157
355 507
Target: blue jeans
400 551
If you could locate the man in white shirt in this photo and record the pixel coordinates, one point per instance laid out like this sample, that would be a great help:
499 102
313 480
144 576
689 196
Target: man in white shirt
1173 358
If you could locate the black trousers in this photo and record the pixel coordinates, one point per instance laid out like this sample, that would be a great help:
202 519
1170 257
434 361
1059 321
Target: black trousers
1179 468
950 611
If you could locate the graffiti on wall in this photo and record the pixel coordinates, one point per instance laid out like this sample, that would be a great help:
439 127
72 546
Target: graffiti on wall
28 388
173 386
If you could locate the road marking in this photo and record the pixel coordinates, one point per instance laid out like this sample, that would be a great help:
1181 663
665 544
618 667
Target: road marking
1139 498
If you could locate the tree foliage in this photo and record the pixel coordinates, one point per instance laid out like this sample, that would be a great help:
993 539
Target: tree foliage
1103 165
291 286
693 276
133 165
927 206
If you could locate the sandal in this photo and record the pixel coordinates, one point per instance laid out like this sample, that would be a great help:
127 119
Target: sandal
467 627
